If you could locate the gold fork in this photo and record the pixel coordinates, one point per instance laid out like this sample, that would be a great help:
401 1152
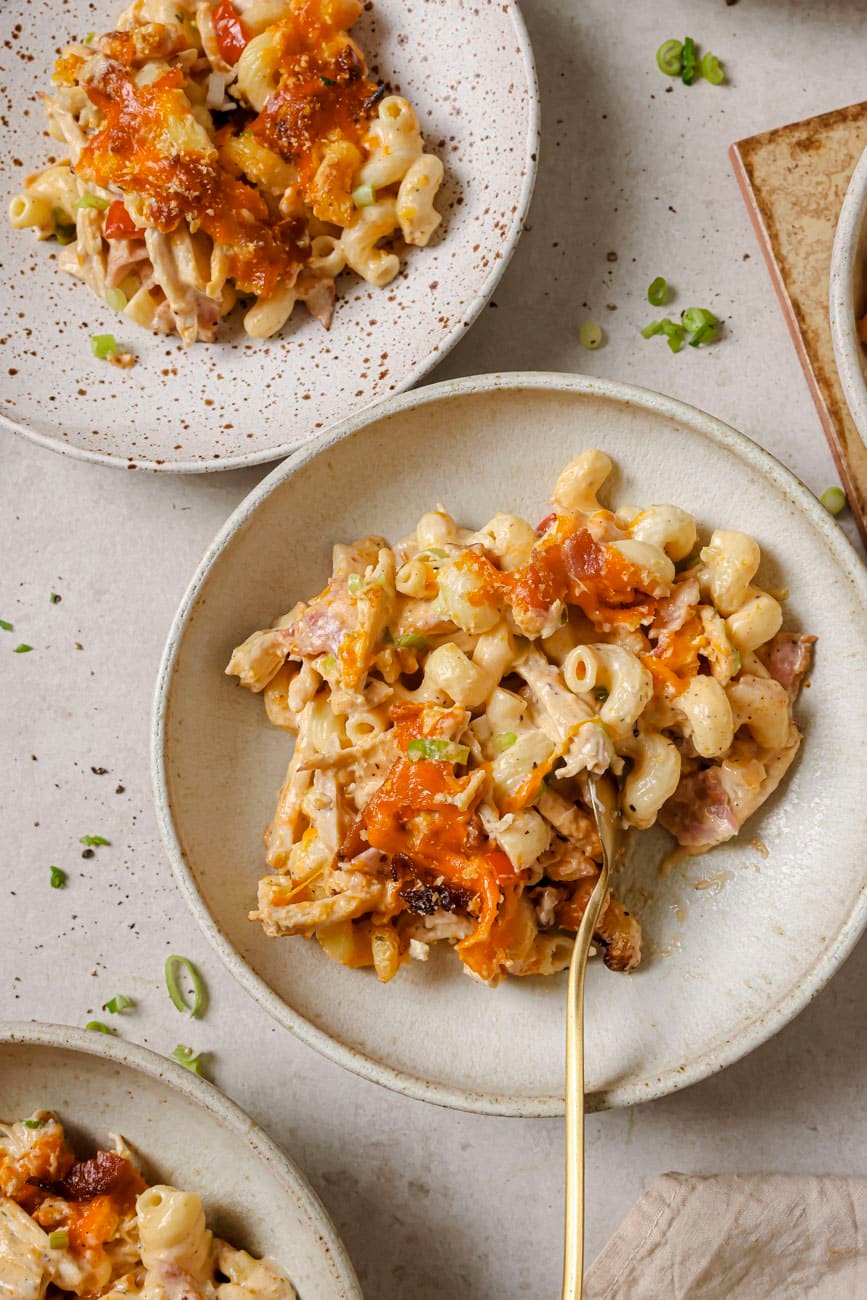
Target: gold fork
604 802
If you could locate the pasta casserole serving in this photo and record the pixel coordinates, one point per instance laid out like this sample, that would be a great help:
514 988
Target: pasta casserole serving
450 695
220 151
94 1228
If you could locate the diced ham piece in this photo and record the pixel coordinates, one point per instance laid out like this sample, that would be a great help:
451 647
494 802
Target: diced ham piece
710 806
123 256
788 656
699 814
324 623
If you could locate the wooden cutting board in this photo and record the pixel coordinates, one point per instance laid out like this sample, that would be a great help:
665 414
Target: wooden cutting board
793 180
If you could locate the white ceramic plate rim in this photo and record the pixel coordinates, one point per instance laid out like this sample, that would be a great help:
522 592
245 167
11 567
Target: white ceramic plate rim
756 1031
434 356
848 348
205 1095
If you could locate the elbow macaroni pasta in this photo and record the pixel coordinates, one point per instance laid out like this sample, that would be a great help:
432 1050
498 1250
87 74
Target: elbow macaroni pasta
308 169
449 697
95 1228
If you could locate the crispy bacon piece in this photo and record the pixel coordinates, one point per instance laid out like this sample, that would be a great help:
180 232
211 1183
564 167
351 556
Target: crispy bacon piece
606 586
97 1177
422 898
789 657
672 613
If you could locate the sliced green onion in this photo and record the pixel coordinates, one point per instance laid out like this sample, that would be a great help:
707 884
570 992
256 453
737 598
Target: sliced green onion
438 749
94 841
118 1004
188 1058
590 335
411 641
58 1240
672 331
689 69
33 1123
99 1028
174 965
657 294
694 317
328 664
93 201
655 327
116 298
58 878
600 693
7 627
834 500
23 648
706 334
327 80
54 598
504 740
737 662
712 70
355 582
669 58
89 37
103 345
363 196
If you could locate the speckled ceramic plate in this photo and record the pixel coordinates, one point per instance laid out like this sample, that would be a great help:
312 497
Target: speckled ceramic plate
188 1135
848 295
727 964
467 68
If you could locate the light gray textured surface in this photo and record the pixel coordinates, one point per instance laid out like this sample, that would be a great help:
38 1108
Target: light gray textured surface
432 1203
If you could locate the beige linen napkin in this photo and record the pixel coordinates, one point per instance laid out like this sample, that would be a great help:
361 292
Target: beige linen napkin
738 1237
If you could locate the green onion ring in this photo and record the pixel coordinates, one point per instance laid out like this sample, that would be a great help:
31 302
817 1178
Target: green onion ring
174 964
657 293
712 70
669 58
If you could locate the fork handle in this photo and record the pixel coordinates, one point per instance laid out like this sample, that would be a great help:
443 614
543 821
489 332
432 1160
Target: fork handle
573 1247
